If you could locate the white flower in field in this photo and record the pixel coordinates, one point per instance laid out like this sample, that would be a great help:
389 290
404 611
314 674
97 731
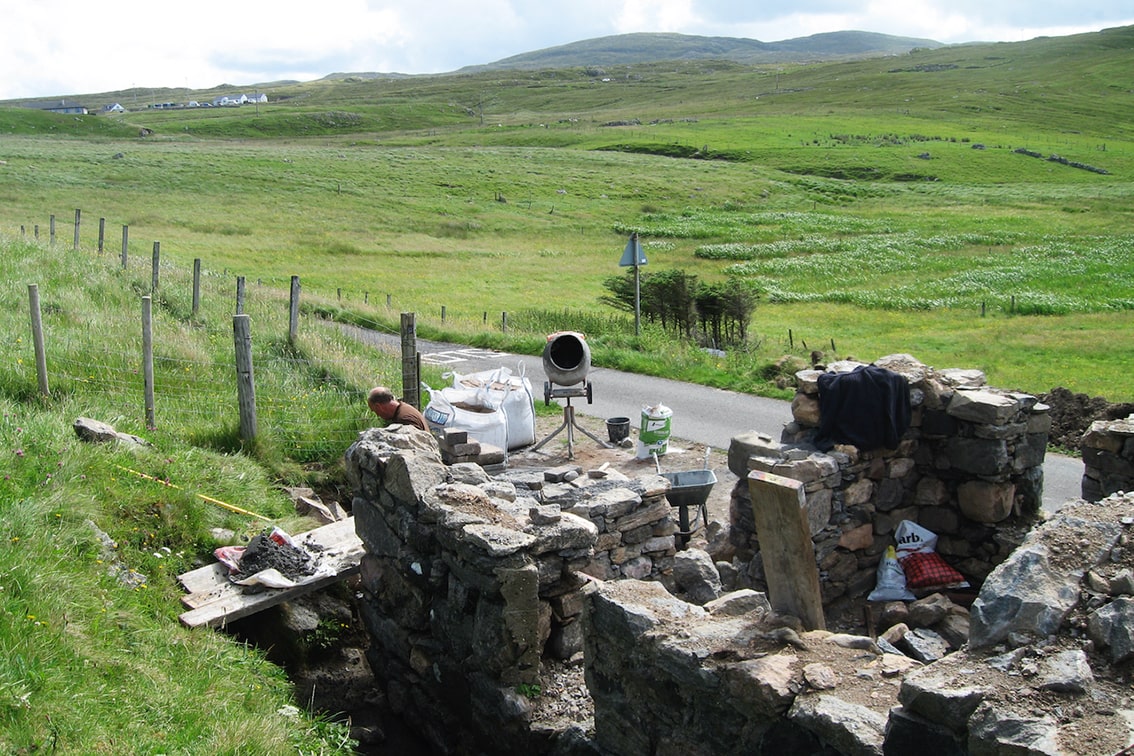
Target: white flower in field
289 711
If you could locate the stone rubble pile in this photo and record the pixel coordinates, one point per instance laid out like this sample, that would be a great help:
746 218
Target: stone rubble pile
1041 675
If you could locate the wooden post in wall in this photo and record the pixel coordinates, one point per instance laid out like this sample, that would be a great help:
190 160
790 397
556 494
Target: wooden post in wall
779 506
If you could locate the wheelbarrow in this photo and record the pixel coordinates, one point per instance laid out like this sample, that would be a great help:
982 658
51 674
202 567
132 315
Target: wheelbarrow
689 488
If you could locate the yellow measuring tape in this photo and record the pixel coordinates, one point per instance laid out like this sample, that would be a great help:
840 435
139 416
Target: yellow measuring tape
211 500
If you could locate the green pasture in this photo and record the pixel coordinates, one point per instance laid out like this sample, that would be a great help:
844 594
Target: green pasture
956 191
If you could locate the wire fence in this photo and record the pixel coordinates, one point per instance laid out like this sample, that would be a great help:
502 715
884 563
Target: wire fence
309 389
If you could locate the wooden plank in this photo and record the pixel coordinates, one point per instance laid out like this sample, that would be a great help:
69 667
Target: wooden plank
213 600
779 506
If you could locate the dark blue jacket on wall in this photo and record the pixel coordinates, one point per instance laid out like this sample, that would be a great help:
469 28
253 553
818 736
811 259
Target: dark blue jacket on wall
868 407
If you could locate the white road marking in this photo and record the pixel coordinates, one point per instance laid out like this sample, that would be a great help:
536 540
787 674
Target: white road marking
457 355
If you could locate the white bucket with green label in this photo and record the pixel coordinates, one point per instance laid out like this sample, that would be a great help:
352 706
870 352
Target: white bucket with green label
654 431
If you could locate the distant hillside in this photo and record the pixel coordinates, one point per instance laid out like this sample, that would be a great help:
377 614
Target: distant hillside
624 49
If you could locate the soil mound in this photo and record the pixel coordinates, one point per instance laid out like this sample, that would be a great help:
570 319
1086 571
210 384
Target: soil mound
1072 414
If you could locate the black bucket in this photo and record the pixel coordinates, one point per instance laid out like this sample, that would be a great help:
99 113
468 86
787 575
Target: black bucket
618 429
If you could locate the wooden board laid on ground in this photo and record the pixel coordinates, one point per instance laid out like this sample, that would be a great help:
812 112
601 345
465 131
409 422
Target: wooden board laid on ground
214 600
779 507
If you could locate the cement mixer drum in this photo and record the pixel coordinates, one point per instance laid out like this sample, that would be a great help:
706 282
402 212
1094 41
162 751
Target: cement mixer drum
566 358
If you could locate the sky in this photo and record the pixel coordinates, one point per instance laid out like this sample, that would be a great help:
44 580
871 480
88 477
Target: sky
53 48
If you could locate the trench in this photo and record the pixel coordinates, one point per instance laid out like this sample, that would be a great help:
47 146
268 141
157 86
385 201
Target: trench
328 668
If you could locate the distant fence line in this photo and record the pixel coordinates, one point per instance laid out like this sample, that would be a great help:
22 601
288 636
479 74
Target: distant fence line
156 267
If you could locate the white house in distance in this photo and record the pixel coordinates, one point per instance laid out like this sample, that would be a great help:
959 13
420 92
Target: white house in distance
61 107
114 107
240 99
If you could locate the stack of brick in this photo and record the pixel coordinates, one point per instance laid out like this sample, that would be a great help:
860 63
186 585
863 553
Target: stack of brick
1108 458
968 468
634 520
456 448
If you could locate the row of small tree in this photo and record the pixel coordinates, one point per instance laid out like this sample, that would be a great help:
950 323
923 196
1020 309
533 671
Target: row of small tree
718 314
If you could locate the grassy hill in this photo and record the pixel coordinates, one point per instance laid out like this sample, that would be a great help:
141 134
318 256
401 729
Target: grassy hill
629 49
984 166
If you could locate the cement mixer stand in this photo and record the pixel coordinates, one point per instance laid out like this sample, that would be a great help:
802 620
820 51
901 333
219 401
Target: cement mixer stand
569 423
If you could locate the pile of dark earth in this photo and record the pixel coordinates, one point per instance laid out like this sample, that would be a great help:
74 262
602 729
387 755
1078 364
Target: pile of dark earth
263 553
1072 414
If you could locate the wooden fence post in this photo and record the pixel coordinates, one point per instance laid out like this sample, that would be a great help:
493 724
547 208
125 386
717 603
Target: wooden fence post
240 295
77 213
245 380
411 393
52 230
293 319
37 339
442 313
196 285
148 359
101 234
156 267
504 322
125 241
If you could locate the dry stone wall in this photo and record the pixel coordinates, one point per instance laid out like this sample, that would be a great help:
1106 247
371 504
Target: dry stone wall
469 580
471 583
969 467
1108 458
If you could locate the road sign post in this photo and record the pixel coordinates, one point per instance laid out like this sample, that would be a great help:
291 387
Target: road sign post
632 256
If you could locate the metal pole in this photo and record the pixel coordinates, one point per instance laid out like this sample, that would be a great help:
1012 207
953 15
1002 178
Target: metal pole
637 302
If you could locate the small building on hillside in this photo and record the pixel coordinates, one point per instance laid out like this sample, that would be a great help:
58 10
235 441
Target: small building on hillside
62 106
113 107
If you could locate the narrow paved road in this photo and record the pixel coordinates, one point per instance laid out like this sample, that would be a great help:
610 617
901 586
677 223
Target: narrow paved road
701 414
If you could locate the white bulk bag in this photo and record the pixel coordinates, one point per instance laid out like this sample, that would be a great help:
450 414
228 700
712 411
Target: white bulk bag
469 411
512 393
